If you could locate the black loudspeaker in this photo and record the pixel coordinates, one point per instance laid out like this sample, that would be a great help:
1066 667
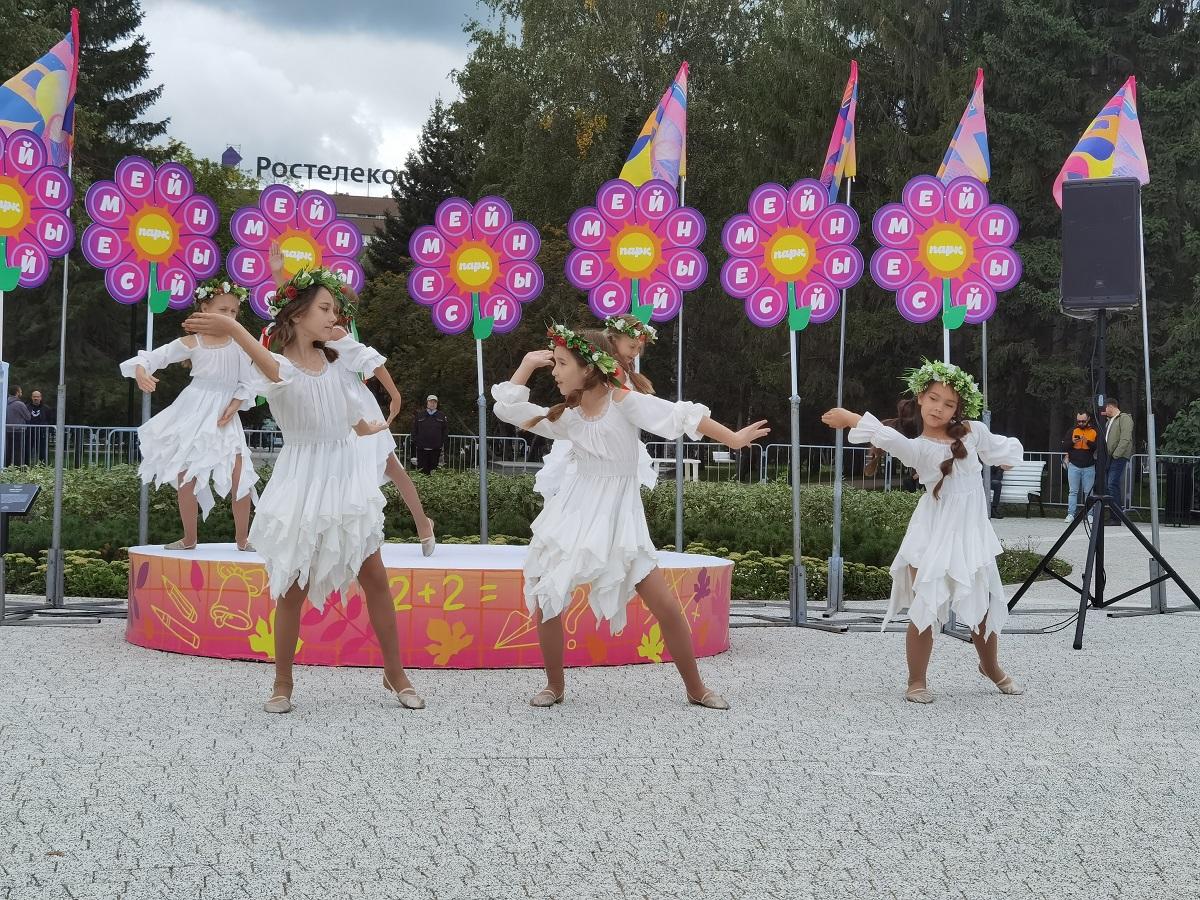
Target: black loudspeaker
1101 245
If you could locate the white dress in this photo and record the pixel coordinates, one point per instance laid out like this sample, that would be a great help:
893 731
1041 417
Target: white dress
184 437
321 514
559 466
593 530
950 541
364 360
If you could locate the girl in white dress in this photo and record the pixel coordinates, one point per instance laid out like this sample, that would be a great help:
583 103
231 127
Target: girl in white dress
380 447
947 560
628 336
593 531
197 444
320 519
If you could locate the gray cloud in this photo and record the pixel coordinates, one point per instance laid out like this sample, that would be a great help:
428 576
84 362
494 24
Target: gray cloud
440 20
356 98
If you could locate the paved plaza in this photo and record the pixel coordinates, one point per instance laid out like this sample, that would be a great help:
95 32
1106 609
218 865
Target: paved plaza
128 773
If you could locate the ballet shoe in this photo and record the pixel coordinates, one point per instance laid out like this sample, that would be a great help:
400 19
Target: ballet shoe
280 703
1005 685
709 700
546 698
918 695
429 544
406 697
179 545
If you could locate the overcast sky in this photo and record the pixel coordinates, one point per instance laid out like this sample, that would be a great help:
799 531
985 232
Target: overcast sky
347 82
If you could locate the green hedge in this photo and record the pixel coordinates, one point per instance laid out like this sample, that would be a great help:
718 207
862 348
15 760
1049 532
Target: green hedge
86 574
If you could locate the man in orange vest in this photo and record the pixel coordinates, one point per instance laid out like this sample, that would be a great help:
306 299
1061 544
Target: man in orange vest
1080 462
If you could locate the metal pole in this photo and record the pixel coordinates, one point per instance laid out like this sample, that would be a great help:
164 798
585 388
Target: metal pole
144 494
679 546
798 595
836 590
946 345
1158 592
483 452
54 568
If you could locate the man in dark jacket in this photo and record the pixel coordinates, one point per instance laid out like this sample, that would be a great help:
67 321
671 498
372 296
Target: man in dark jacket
430 430
16 420
41 420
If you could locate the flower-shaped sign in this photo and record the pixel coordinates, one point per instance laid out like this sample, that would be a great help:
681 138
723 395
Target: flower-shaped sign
792 255
475 266
34 198
947 243
309 234
636 251
151 234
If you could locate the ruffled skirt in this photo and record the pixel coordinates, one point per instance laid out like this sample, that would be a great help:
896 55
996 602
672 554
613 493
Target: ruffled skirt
953 548
319 517
184 439
592 531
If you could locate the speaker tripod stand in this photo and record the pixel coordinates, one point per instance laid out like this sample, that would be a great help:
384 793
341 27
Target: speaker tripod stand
1091 590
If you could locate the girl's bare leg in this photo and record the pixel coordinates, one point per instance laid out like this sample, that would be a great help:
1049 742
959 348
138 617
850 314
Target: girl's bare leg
287 632
662 605
189 510
408 493
241 508
918 648
550 639
989 652
372 578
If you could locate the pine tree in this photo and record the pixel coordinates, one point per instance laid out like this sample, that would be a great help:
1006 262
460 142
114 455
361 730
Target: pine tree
438 168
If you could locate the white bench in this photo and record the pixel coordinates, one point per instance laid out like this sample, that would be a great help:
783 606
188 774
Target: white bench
691 467
1023 484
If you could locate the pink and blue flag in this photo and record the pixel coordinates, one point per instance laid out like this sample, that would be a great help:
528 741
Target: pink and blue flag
41 97
968 150
1112 145
660 150
841 159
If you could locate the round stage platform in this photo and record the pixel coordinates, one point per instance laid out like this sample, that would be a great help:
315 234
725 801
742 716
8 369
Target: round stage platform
462 608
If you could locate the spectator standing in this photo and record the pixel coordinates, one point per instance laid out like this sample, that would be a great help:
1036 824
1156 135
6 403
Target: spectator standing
17 422
1080 462
430 430
1118 439
41 420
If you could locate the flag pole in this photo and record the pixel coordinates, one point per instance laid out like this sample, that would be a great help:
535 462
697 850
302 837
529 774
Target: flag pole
679 547
144 491
54 568
834 586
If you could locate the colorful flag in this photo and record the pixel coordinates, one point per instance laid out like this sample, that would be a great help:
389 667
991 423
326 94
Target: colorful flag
41 97
1112 145
841 159
968 150
660 151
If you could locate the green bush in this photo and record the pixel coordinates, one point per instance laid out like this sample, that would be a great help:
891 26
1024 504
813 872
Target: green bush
1182 436
86 574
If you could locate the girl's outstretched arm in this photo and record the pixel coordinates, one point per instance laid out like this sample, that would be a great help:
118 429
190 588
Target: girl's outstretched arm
224 326
673 420
734 440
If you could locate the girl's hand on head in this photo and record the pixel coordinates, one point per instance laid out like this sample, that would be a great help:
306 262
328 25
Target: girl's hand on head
275 257
841 418
538 359
213 324
749 434
145 380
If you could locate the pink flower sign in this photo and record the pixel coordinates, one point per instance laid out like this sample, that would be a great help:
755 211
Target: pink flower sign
151 234
34 199
636 249
945 249
475 266
309 233
791 255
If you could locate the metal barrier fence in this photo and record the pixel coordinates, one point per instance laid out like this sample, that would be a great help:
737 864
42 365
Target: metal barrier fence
103 446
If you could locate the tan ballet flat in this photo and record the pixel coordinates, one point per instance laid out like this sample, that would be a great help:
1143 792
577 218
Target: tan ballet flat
918 695
179 545
406 697
709 700
1005 685
246 547
546 698
429 544
280 703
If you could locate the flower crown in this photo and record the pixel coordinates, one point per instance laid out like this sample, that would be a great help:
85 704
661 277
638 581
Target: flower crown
214 287
636 329
562 336
918 381
306 278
